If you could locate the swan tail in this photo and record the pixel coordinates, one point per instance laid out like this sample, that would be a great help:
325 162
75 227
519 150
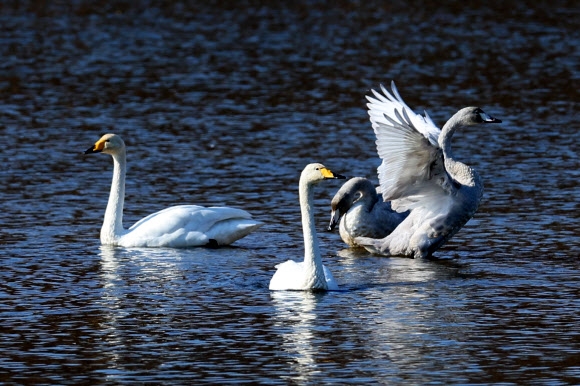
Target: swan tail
374 246
228 231
330 281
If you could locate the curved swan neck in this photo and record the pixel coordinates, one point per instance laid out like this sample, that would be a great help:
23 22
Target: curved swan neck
113 223
446 134
312 259
460 172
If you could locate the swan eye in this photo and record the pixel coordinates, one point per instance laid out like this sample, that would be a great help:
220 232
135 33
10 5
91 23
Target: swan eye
478 117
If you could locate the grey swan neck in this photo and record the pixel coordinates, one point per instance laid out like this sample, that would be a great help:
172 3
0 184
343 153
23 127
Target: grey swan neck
459 171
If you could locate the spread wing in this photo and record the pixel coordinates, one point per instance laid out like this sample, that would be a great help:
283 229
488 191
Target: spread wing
412 172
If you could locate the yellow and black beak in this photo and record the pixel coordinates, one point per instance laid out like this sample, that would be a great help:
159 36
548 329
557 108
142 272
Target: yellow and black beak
92 150
97 148
327 174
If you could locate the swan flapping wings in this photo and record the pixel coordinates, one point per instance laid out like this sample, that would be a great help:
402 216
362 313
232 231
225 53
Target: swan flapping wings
412 167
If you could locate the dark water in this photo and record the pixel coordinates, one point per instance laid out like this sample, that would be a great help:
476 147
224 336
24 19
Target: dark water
224 104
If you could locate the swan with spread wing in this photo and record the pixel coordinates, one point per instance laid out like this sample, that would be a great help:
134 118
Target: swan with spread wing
419 174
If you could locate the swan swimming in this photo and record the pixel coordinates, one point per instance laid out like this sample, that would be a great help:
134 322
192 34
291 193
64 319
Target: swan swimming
178 226
418 173
309 274
359 210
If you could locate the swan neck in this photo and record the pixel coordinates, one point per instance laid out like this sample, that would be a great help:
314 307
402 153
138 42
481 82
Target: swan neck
113 223
312 258
445 137
460 172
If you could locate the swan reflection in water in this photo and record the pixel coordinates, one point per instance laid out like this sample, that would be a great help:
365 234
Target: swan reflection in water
409 306
384 302
295 319
123 268
135 286
364 269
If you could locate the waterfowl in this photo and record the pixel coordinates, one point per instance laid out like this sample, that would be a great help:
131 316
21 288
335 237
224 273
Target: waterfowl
419 174
309 274
178 226
361 212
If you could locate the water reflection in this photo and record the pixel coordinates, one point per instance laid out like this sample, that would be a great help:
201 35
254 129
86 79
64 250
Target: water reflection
224 103
296 322
389 315
364 269
138 287
122 269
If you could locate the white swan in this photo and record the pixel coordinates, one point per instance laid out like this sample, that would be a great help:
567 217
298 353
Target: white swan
309 274
360 211
418 173
177 226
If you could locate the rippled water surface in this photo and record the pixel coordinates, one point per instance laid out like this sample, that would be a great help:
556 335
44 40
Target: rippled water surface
224 104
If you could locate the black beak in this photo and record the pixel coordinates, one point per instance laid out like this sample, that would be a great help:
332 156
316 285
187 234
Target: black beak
492 120
91 150
334 220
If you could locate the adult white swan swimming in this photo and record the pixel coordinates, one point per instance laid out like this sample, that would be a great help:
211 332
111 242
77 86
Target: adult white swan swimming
309 274
177 226
359 210
418 173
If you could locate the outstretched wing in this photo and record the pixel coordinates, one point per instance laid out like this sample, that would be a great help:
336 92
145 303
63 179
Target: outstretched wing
387 103
412 167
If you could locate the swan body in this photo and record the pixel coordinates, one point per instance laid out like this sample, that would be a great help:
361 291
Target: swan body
178 226
359 211
419 174
309 274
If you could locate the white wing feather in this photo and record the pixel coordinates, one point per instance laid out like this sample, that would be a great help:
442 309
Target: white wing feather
190 225
412 171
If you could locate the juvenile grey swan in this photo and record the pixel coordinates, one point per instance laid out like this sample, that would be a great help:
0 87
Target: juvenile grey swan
418 173
309 274
360 211
177 226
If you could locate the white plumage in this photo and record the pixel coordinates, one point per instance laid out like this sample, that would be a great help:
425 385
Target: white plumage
309 274
177 226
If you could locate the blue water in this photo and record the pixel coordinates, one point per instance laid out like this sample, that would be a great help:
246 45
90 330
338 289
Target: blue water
224 104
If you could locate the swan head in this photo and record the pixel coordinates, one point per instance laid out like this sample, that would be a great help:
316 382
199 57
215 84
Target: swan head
467 116
354 190
315 172
470 116
108 144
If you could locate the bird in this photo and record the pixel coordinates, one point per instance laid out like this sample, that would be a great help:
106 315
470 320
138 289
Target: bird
309 274
178 226
418 173
359 210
